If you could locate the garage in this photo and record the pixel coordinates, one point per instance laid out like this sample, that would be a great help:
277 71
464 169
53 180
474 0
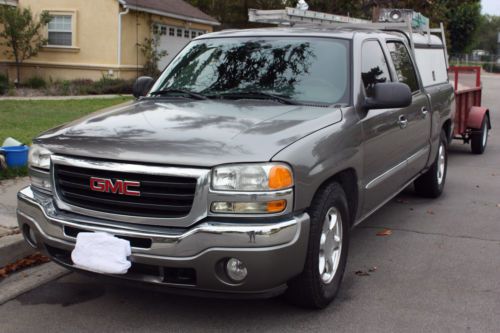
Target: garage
173 39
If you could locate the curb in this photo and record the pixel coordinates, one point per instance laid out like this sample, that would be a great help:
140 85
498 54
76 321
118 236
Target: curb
29 279
13 248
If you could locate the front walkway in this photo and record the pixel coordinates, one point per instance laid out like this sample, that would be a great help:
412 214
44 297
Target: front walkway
59 98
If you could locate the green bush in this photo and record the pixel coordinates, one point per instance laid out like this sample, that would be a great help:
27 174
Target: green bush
82 87
4 84
65 88
113 86
36 82
495 68
76 87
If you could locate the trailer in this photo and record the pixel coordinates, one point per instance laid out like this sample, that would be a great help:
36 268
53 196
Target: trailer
472 120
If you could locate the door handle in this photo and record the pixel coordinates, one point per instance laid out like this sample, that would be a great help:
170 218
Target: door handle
402 121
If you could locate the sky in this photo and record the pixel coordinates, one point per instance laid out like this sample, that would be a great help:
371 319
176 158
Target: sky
491 7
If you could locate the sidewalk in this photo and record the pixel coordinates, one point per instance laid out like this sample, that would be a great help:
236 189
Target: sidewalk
8 201
12 244
59 98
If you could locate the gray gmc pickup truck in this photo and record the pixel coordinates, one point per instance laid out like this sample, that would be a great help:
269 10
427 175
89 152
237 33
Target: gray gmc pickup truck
242 169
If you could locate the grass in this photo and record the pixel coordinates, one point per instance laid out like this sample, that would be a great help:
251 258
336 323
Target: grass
24 120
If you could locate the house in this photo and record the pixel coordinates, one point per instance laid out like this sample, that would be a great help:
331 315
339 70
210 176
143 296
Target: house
89 39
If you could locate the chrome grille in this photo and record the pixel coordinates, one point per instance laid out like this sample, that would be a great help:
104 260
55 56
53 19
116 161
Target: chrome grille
161 196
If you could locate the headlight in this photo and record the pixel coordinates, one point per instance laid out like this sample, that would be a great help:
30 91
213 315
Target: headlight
252 177
39 157
39 166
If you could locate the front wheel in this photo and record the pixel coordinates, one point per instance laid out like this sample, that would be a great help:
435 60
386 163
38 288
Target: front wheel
431 183
479 140
326 258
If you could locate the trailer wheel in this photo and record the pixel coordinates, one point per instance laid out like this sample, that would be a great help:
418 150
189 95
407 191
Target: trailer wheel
431 183
479 140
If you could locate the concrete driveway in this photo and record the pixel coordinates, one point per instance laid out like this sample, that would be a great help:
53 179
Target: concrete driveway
439 271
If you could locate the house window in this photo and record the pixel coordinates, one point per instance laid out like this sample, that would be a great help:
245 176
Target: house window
186 33
60 30
200 33
171 31
193 34
179 32
163 30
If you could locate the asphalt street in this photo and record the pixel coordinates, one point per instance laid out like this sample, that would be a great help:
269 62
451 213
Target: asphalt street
439 271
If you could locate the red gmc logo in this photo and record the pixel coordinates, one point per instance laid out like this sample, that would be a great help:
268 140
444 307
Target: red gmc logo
121 187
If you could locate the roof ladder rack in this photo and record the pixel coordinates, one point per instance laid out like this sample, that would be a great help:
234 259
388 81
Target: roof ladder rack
294 17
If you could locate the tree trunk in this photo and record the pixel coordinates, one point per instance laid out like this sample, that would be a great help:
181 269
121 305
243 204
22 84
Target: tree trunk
18 71
18 68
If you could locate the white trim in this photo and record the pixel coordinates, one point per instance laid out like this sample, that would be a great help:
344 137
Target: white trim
176 16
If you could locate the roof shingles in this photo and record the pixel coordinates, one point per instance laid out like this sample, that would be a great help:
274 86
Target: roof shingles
175 7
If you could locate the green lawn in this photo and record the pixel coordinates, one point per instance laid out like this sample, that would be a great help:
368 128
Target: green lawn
24 120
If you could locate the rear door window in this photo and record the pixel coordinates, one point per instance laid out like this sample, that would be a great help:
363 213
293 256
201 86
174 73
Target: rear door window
403 64
374 67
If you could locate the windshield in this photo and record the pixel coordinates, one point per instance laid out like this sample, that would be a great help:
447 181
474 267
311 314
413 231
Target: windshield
307 69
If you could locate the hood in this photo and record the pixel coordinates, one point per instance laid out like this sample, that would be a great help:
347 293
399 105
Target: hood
192 133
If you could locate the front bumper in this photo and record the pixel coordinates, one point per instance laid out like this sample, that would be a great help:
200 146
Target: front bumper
189 259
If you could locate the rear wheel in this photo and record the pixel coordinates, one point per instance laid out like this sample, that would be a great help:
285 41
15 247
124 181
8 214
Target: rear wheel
479 140
326 258
431 183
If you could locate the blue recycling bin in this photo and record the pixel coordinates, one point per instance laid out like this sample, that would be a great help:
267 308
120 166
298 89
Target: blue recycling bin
15 156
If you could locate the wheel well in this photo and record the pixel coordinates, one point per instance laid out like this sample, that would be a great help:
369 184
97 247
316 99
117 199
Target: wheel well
447 129
348 179
488 118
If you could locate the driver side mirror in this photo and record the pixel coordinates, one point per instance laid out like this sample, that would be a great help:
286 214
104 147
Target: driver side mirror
389 95
142 85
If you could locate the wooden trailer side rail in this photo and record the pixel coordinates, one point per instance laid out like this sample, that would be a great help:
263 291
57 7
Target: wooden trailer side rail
465 99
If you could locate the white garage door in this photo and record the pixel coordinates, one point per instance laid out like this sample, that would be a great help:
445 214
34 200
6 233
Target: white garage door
173 39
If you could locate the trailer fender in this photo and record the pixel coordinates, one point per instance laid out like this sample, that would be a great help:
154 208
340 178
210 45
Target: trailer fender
476 116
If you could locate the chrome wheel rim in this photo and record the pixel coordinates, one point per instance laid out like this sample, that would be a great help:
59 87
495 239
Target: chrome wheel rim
441 164
485 135
330 246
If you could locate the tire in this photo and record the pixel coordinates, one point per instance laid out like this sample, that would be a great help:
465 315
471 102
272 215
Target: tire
431 183
479 140
311 288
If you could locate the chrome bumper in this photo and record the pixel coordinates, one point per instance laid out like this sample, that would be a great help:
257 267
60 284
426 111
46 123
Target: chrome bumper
273 252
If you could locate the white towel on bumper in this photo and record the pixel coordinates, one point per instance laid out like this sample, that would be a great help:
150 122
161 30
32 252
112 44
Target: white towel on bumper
101 252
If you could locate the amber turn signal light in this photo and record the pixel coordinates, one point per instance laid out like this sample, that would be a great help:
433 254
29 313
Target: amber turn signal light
280 177
276 206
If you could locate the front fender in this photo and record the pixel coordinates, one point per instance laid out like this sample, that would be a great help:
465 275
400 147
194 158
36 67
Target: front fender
323 154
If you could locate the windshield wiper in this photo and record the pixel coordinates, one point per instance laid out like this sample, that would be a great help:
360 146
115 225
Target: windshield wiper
168 91
255 94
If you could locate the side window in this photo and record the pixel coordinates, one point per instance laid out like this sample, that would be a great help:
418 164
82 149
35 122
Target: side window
402 63
374 66
60 31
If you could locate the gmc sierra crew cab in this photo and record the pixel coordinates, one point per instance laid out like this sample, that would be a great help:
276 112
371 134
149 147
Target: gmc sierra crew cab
241 170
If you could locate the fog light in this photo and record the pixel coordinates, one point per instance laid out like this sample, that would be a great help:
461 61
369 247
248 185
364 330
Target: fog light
30 236
236 270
